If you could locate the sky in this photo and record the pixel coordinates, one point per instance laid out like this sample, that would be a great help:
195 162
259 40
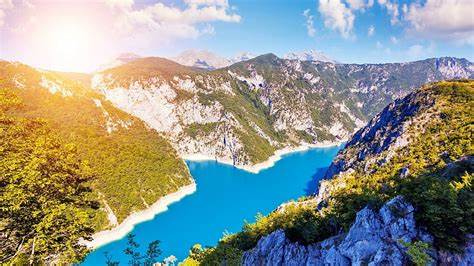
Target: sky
80 36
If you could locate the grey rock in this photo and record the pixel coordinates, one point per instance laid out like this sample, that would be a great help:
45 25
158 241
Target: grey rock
404 172
373 239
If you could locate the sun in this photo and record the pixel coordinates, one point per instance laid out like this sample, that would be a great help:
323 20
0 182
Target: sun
69 45
67 40
65 43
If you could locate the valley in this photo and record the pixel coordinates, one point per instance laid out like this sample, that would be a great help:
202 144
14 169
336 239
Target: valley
136 123
236 132
244 113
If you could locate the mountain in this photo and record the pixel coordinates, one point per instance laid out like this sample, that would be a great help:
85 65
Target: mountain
243 113
201 59
399 193
311 55
133 165
120 60
244 56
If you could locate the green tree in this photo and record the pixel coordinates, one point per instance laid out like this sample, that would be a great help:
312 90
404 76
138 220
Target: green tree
152 253
417 252
135 257
109 261
132 250
44 210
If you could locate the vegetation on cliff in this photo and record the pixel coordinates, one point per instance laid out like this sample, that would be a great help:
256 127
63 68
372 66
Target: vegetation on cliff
45 206
434 172
134 165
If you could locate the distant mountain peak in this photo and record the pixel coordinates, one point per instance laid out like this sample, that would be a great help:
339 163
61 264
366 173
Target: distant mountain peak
202 59
309 55
128 56
119 60
242 56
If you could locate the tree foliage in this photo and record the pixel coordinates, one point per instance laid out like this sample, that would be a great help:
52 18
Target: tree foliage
136 258
44 209
417 252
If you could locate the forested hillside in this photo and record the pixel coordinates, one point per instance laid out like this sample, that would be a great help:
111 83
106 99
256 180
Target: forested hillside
45 200
414 159
130 166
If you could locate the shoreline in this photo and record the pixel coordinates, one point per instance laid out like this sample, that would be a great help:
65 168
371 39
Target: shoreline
270 162
161 205
126 226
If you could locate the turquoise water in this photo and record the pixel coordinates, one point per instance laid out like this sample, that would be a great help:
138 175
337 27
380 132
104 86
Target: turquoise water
225 197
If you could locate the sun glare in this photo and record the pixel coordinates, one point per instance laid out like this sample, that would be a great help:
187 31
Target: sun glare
66 43
69 45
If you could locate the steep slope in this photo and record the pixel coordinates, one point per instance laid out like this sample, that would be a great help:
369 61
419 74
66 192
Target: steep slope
132 164
42 179
243 113
403 194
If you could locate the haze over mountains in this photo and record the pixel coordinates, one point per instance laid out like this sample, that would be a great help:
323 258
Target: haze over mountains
208 60
119 60
311 55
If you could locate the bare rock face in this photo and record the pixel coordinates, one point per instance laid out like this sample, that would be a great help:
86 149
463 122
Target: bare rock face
375 238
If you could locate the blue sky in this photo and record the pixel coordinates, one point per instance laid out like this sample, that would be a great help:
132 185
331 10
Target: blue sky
279 27
97 30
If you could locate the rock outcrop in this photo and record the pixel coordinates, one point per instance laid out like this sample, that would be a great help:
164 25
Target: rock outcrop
375 238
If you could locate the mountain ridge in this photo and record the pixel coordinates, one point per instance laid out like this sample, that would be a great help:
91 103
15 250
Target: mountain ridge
394 204
242 114
309 55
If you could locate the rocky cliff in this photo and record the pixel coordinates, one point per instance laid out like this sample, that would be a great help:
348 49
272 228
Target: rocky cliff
375 238
400 192
242 113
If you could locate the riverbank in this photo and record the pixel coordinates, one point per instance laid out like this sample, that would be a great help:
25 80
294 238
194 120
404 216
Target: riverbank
256 168
103 237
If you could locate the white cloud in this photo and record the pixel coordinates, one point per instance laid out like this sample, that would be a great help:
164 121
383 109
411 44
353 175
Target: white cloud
404 9
5 5
309 23
124 4
171 22
337 16
392 9
371 30
419 51
394 39
223 3
443 19
360 4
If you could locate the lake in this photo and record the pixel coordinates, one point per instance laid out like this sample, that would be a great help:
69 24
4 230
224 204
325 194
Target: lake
225 197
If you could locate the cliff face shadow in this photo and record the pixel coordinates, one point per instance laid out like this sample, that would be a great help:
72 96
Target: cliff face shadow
312 186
